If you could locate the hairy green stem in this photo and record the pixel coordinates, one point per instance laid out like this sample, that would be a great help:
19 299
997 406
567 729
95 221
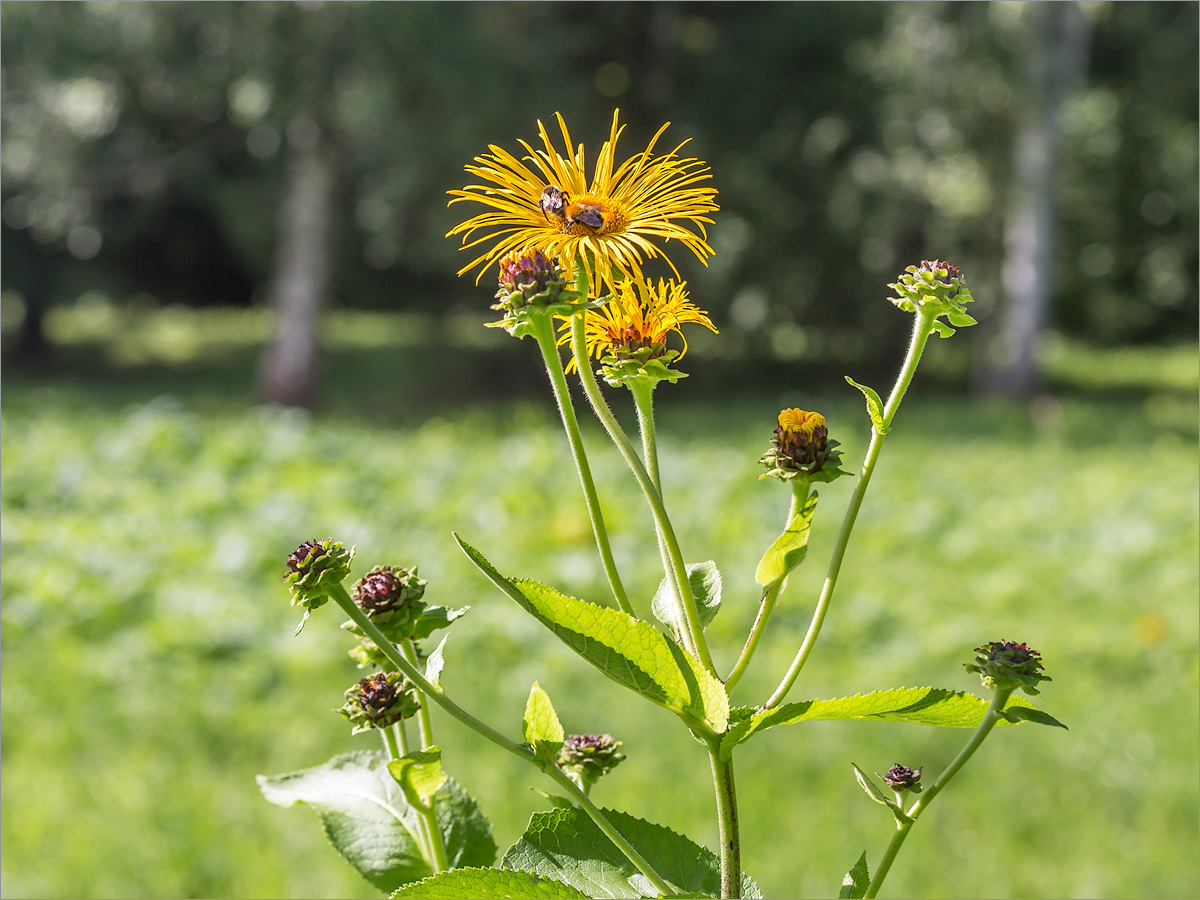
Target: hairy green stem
401 737
522 751
993 715
437 841
727 820
390 745
922 325
800 490
543 332
423 722
692 633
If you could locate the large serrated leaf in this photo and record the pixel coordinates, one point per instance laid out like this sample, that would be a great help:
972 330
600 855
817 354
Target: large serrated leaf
488 884
565 844
629 651
705 581
856 881
789 548
921 706
369 822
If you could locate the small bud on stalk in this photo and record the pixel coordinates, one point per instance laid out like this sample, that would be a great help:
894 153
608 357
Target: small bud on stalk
938 287
901 778
1009 665
589 757
379 701
391 597
314 569
530 285
802 449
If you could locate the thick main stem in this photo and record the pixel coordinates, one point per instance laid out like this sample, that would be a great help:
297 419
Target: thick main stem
922 325
522 751
990 718
544 334
692 632
727 821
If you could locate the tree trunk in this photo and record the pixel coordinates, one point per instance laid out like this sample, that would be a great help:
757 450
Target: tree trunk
288 373
1056 60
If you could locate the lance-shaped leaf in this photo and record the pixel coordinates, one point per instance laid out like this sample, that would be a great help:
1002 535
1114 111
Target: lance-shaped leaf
874 406
435 663
541 727
369 821
856 881
488 884
874 791
921 706
566 845
789 548
419 774
436 617
705 580
629 651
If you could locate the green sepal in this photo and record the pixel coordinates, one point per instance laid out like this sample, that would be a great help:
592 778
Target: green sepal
566 845
919 706
856 881
419 775
789 549
637 366
943 330
705 581
874 406
876 793
541 727
629 651
526 320
487 884
779 466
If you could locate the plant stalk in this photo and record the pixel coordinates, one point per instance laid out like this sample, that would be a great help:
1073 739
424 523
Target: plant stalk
990 718
922 325
437 840
727 821
543 332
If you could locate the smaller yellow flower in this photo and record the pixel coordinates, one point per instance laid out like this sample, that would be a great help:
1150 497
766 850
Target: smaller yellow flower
636 321
797 421
802 449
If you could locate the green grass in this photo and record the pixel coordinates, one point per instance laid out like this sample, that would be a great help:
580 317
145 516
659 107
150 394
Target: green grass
149 670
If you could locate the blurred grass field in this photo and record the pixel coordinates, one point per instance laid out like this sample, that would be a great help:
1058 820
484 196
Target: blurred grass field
149 670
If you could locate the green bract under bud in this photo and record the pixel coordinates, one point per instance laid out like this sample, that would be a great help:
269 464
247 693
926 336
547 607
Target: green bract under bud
314 569
901 778
379 701
532 285
589 757
391 598
937 287
802 449
1008 665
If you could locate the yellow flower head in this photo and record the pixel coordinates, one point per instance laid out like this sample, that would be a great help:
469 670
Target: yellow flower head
797 421
640 320
611 224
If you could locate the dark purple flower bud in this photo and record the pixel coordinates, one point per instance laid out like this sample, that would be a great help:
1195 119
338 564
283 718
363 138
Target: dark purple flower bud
379 700
590 756
901 778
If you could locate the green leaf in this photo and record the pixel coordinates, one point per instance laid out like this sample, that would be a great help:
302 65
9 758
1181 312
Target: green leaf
435 663
874 791
541 726
629 651
874 406
789 548
565 844
856 881
942 328
922 706
488 884
368 820
436 617
960 318
419 774
555 800
1016 714
705 581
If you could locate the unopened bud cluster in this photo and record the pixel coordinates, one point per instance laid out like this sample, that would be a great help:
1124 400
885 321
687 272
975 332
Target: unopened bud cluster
314 569
380 700
530 284
391 598
589 756
1008 665
901 778
937 287
802 448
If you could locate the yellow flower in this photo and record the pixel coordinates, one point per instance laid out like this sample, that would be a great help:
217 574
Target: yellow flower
640 320
798 421
611 225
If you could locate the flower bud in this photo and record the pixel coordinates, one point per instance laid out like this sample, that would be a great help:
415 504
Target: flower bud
531 285
901 778
391 598
1007 664
314 569
589 757
802 448
379 701
936 286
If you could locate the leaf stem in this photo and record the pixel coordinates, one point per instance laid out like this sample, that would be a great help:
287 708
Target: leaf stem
423 721
727 820
437 840
922 325
438 696
543 332
693 634
993 715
